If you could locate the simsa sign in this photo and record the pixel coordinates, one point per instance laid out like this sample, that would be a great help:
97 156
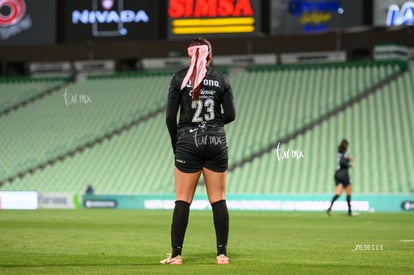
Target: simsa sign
100 19
189 18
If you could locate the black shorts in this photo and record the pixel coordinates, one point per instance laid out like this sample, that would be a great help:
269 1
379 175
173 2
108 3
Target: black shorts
197 148
342 177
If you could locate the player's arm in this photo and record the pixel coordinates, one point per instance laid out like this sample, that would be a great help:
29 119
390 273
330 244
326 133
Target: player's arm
229 108
171 120
229 111
345 162
173 103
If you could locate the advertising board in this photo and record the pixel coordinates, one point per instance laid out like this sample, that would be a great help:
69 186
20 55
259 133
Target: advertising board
310 16
24 22
190 18
393 12
110 19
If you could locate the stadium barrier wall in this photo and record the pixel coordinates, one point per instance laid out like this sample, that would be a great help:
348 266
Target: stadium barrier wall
24 200
59 200
275 202
31 200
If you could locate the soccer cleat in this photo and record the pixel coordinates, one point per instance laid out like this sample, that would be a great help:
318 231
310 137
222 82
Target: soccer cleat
222 259
328 212
176 260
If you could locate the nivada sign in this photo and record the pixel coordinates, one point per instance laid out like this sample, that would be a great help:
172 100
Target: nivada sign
97 19
213 17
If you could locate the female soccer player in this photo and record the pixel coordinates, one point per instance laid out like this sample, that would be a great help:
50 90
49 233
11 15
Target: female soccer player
342 178
199 143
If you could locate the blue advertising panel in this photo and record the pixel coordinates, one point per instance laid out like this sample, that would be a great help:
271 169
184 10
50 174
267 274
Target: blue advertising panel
310 16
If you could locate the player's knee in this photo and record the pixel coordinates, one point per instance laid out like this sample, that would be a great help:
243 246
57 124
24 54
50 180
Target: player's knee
216 197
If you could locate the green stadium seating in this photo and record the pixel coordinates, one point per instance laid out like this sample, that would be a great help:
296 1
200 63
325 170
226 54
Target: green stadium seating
57 124
139 161
280 101
15 91
380 132
271 102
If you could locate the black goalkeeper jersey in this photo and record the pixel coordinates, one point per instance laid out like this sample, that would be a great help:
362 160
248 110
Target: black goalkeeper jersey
214 107
214 90
343 161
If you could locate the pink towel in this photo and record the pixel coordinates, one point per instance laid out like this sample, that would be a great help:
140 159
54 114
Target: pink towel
198 66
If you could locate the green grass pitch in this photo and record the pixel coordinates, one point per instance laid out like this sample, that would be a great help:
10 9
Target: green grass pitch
134 241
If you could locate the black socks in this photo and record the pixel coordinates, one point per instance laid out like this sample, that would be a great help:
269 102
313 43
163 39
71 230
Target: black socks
180 222
179 226
348 200
332 202
221 225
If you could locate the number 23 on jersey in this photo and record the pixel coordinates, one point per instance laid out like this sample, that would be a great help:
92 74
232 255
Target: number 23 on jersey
199 105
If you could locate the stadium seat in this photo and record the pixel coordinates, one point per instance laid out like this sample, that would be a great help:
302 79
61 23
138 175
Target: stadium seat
272 103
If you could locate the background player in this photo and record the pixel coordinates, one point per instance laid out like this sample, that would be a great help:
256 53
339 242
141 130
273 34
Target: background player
342 178
199 143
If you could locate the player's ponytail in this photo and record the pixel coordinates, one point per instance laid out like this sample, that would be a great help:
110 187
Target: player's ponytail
200 53
193 79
